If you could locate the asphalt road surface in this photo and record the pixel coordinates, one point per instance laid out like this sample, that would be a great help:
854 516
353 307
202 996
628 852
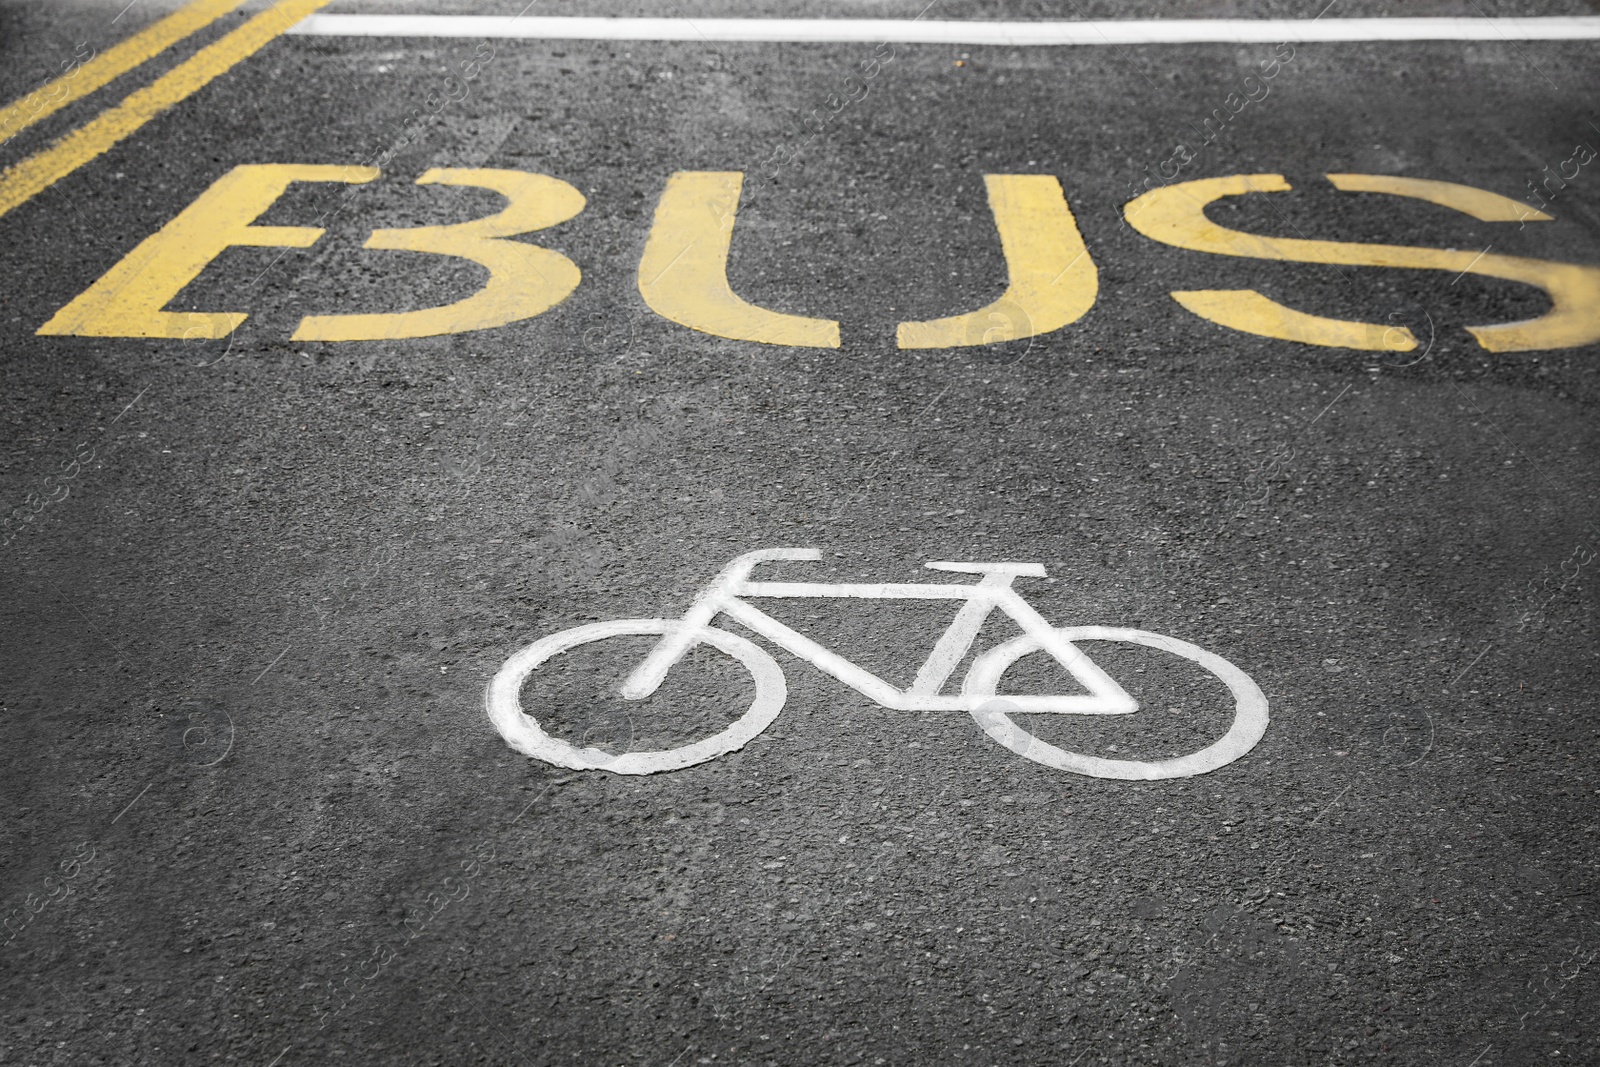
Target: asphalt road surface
308 477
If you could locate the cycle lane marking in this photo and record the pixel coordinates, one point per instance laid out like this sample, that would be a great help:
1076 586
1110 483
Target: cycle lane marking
1248 727
111 64
23 181
728 594
934 31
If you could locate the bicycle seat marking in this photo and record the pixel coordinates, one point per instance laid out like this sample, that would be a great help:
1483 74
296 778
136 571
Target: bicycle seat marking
730 594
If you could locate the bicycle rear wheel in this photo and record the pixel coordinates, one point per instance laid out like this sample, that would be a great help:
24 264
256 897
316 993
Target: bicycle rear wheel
503 701
1249 716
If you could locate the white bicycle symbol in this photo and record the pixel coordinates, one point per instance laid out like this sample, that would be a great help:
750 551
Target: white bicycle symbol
729 593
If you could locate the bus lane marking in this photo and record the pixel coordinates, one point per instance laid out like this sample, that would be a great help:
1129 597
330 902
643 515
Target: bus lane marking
1175 215
1053 280
524 280
683 274
127 300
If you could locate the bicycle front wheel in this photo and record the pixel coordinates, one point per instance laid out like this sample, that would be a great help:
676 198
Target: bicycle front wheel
503 701
1249 713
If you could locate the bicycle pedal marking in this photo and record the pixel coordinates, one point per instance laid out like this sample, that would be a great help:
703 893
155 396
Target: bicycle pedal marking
730 593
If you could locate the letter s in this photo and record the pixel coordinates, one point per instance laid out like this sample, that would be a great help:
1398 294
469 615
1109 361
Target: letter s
1175 215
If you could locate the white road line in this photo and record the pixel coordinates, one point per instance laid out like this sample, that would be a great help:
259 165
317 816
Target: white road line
929 31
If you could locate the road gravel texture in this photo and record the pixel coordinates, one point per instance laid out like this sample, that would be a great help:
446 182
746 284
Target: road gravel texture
255 812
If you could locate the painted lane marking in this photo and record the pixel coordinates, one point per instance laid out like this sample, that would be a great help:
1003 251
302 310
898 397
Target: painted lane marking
38 172
127 300
523 733
928 31
683 274
1249 713
524 280
110 64
1175 215
1479 203
1248 311
730 594
1053 280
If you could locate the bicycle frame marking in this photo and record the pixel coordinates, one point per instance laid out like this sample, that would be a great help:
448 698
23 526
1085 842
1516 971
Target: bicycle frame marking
728 593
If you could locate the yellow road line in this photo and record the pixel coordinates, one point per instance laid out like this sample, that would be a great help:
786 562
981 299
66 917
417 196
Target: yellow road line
110 65
38 172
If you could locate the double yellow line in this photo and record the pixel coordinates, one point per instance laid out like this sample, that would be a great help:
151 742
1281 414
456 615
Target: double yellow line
38 172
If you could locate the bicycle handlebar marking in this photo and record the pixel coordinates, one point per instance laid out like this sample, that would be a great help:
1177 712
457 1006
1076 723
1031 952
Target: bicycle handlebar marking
729 594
